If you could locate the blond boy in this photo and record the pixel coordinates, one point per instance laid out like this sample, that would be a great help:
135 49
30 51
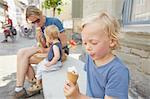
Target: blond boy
107 76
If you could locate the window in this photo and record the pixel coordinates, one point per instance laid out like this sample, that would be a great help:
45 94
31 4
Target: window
136 12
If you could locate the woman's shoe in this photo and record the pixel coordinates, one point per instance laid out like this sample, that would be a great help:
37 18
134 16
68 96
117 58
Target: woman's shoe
24 94
21 94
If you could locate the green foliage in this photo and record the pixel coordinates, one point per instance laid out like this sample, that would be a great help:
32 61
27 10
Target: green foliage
59 10
54 4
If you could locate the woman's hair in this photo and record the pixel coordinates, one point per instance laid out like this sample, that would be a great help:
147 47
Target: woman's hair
32 10
52 31
108 23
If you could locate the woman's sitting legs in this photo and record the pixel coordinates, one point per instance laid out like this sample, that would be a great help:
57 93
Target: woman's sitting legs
23 66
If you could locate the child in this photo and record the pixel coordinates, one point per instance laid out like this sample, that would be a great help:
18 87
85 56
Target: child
107 76
53 61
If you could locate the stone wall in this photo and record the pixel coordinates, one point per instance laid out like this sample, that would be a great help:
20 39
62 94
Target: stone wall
135 52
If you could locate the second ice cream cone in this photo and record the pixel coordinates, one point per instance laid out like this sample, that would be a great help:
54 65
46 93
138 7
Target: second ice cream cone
72 76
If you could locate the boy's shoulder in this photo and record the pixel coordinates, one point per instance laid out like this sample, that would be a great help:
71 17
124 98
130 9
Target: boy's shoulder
118 63
114 65
117 67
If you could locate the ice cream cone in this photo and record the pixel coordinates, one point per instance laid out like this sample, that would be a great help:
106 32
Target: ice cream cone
72 76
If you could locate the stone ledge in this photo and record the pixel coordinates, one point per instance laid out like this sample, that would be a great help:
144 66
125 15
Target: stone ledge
135 40
53 82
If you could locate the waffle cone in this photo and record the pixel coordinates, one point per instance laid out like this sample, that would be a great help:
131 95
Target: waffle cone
72 77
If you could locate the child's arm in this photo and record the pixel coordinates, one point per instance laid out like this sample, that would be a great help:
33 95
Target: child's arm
56 56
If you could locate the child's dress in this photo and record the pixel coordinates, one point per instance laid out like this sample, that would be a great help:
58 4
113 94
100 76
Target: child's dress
54 67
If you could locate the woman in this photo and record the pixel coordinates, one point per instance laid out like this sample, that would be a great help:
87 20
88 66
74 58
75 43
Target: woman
24 68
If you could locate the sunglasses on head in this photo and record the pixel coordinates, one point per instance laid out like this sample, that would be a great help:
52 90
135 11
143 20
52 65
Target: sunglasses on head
36 21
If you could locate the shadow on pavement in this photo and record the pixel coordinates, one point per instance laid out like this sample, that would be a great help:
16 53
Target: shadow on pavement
7 91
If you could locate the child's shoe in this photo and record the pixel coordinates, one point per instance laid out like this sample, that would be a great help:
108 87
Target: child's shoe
32 81
35 88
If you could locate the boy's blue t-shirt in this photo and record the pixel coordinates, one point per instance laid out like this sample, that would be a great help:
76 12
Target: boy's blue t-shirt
111 79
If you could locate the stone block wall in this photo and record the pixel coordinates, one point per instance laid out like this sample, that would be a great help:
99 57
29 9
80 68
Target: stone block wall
135 52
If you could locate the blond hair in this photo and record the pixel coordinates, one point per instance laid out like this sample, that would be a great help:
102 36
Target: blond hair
32 10
108 23
52 31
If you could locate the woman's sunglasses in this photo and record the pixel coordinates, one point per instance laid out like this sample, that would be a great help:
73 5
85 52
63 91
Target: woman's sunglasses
36 21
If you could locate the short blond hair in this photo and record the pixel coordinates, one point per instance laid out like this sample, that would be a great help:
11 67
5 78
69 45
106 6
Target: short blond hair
52 31
108 23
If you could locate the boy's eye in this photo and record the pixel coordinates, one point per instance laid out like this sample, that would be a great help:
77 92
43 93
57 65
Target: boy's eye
94 42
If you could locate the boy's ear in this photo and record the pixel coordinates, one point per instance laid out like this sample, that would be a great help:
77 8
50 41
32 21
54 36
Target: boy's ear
112 43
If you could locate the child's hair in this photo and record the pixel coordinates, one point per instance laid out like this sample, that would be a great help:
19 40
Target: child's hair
52 31
32 10
108 23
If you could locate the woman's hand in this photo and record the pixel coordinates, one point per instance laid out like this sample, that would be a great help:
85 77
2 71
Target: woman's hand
71 90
